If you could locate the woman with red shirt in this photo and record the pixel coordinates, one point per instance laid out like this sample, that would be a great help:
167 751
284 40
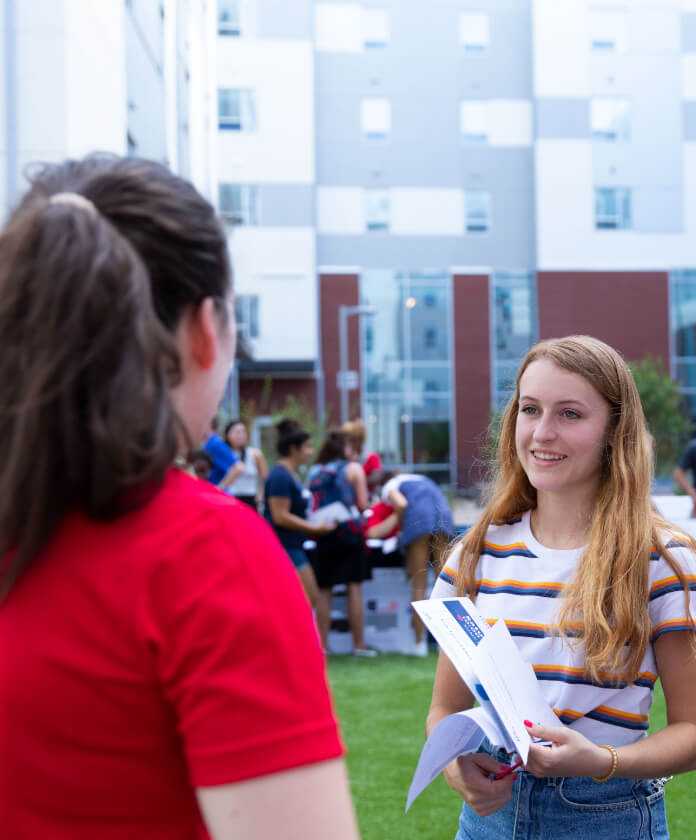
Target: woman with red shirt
160 674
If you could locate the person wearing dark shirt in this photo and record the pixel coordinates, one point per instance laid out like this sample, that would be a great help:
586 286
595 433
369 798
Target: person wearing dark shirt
286 505
687 464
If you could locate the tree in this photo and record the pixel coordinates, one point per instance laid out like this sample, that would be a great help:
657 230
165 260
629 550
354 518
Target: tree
293 408
665 411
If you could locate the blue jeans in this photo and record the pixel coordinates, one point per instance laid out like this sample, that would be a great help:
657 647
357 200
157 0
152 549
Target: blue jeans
298 557
573 808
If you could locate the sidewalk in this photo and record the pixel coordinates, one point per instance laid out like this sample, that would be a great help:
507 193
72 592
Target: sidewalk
465 511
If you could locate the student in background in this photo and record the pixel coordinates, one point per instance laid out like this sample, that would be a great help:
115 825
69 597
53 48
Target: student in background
160 673
226 466
426 529
339 493
687 464
356 435
247 484
286 502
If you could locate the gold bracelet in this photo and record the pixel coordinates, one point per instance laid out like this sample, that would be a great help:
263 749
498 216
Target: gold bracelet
614 764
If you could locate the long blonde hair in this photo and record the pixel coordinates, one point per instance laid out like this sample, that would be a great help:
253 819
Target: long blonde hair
609 595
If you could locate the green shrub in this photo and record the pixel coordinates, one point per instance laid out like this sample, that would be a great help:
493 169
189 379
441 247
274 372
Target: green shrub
665 412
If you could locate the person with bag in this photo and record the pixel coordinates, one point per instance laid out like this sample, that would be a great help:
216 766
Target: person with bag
285 502
339 494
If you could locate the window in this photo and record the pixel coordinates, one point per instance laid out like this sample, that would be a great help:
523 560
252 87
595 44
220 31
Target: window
611 120
236 109
612 208
608 31
477 211
369 337
683 333
430 342
239 204
375 23
407 388
514 329
474 31
473 120
246 308
375 118
229 17
377 209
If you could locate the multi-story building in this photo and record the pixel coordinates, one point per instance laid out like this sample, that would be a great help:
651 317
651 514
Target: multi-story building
444 185
121 76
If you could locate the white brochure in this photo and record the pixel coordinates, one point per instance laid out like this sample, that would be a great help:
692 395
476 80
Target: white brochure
488 661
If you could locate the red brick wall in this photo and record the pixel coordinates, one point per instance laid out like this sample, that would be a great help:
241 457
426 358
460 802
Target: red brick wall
269 401
337 290
627 309
472 372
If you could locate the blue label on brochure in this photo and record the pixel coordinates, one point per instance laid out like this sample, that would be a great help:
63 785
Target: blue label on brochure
466 622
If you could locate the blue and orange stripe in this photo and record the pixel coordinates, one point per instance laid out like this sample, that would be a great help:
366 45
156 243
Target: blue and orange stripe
542 589
671 584
605 714
449 575
655 555
517 549
534 630
578 676
672 626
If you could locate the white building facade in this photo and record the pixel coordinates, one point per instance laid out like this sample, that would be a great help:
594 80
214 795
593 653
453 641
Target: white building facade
479 174
122 76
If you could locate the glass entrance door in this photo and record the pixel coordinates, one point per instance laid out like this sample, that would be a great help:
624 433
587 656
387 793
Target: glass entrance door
407 371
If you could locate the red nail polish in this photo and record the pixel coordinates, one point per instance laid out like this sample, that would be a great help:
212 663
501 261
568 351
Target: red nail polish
528 723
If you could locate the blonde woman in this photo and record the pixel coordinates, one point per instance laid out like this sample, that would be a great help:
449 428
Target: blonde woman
596 588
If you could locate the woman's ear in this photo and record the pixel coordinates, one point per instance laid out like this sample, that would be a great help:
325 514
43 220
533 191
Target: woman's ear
202 328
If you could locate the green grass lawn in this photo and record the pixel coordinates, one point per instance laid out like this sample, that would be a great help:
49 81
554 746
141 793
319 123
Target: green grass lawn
382 705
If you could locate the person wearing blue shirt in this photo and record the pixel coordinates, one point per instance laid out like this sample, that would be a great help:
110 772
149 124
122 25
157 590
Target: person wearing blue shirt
221 454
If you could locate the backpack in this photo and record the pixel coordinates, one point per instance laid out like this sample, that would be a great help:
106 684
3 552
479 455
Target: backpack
333 499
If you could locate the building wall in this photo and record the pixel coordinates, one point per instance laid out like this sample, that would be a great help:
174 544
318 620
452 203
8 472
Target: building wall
275 258
472 373
658 163
277 265
338 290
86 75
628 310
145 72
67 64
198 141
424 162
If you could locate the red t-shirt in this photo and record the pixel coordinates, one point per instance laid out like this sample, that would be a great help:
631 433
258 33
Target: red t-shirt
139 659
372 462
380 512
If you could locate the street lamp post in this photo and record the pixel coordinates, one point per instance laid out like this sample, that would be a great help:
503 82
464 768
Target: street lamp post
344 313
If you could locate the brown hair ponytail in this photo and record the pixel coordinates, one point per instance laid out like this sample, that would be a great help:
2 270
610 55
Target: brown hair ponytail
90 291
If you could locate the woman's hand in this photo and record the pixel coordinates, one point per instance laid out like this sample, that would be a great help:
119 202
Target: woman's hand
570 754
323 528
470 777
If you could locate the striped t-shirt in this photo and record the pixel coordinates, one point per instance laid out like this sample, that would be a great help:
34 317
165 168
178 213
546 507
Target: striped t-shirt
520 581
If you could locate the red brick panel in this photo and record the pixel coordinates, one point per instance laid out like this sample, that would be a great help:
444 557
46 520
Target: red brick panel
336 290
627 309
472 372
